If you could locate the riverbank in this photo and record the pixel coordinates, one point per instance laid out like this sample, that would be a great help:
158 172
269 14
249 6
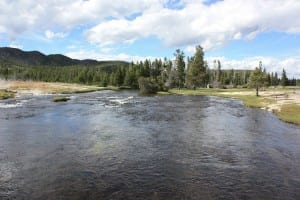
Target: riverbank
9 89
284 102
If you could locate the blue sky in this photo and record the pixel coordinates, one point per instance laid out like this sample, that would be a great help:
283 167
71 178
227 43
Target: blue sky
239 33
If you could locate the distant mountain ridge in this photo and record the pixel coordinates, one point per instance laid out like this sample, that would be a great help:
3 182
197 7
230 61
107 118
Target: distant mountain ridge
35 58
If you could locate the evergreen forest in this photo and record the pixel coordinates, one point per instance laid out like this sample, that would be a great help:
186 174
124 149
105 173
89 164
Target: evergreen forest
159 74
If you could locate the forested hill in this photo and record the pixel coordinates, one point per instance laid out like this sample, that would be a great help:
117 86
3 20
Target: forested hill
14 56
156 74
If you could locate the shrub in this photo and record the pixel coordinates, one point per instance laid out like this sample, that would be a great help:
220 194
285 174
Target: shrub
147 86
60 99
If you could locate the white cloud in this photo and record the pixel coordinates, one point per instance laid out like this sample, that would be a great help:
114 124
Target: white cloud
290 64
13 45
19 16
111 32
211 26
193 23
102 56
72 46
190 49
51 35
106 50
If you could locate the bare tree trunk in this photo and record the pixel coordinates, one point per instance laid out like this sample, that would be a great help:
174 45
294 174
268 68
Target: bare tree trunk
257 91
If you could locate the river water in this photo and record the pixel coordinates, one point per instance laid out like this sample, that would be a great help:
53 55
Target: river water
118 145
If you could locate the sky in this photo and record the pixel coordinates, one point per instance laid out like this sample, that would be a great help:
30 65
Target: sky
239 33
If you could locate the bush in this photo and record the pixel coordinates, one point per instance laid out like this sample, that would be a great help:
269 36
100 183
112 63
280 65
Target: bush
147 86
60 99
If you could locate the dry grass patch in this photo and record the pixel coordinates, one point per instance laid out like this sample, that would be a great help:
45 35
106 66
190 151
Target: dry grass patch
32 87
289 113
5 94
43 87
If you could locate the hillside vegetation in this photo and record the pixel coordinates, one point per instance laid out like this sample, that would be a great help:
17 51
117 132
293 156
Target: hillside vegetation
164 74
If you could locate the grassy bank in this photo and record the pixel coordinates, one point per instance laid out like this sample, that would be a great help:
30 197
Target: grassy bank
253 101
289 113
284 102
5 94
275 100
246 95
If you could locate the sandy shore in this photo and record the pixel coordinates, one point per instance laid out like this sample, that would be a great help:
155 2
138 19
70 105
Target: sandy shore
291 97
43 88
279 97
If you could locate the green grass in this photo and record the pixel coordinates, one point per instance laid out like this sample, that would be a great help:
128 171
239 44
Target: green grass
205 91
253 101
249 100
60 99
289 113
125 88
5 94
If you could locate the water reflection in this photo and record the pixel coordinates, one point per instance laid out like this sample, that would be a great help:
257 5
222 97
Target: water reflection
117 145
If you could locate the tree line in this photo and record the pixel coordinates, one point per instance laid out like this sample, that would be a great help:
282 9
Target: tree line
159 74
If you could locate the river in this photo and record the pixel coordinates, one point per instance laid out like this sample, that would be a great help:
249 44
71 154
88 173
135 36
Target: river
119 145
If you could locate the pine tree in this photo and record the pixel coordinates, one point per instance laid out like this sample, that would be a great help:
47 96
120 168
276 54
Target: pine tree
180 67
197 74
219 72
258 78
276 81
284 79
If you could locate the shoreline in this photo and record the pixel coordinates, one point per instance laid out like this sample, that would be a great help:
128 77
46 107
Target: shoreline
34 88
283 102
